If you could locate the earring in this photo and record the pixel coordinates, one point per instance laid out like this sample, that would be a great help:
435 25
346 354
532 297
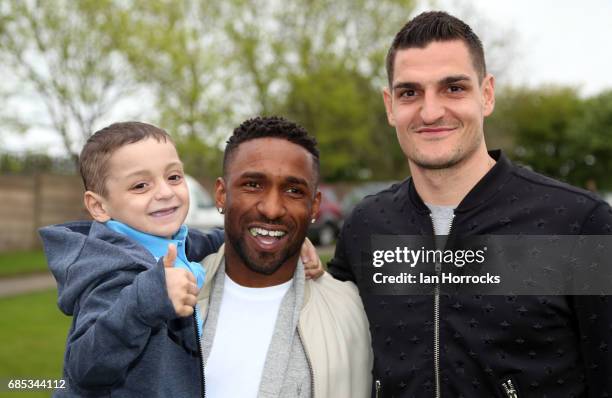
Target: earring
220 210
313 220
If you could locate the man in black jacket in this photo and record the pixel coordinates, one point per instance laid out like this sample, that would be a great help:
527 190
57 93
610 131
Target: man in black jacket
451 345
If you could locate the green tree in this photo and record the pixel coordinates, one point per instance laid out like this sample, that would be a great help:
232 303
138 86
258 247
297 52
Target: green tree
592 135
346 114
557 133
211 64
272 43
176 49
206 65
59 63
321 63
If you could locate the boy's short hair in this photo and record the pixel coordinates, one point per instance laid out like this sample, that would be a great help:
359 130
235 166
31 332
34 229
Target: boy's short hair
271 127
93 160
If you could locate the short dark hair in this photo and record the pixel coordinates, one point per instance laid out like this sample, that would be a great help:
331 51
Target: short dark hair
436 26
274 127
93 160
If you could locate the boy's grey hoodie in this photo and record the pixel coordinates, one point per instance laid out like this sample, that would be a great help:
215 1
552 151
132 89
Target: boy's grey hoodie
125 339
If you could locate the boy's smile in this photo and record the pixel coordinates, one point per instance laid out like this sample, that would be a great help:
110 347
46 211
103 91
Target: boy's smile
146 188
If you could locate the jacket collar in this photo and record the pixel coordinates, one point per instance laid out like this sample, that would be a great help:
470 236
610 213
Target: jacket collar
485 189
156 245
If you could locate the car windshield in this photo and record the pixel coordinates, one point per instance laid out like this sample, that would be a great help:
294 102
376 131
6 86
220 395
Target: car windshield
355 195
329 194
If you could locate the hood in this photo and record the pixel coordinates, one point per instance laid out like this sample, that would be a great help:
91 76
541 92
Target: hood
83 254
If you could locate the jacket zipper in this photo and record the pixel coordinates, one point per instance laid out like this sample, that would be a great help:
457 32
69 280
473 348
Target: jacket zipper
509 389
312 383
437 313
199 341
378 389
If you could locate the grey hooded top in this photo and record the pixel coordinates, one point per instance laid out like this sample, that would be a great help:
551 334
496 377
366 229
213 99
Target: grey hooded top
125 339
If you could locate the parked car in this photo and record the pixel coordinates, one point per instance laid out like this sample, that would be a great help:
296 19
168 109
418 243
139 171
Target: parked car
202 213
325 229
359 192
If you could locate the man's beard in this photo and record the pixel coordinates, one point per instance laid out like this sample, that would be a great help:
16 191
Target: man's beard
437 165
460 154
264 263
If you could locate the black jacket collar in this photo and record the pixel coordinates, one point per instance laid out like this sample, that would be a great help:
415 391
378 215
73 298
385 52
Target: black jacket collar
485 189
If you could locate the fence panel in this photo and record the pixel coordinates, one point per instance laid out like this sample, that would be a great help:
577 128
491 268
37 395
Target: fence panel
29 202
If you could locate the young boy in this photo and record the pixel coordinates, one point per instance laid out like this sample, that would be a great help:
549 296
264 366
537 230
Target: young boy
133 333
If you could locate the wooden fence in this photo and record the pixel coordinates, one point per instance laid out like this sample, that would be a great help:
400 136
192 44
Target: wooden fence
29 202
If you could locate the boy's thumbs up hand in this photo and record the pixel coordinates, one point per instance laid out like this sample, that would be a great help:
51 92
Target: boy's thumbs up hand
170 257
181 285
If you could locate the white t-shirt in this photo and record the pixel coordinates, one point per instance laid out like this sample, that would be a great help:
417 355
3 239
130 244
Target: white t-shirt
247 317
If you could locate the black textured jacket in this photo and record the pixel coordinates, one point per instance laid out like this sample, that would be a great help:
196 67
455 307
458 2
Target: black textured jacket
489 346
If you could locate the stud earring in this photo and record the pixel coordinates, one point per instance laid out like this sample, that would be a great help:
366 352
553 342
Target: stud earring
313 221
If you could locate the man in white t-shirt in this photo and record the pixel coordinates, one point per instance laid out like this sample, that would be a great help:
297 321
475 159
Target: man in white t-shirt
269 332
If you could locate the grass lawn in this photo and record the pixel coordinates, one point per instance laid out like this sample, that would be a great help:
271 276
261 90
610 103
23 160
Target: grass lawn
33 330
33 334
24 262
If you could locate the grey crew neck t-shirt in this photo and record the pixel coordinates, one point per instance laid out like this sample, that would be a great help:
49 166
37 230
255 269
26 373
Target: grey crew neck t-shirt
442 217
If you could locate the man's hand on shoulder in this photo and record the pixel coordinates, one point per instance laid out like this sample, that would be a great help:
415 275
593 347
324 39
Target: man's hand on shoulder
181 285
